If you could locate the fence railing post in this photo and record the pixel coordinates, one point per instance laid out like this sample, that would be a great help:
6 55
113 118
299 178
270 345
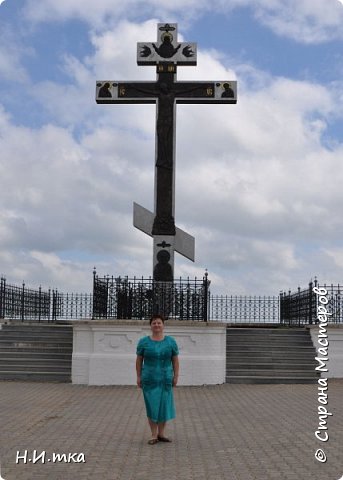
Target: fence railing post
280 308
205 281
53 309
23 303
310 294
94 294
39 303
2 297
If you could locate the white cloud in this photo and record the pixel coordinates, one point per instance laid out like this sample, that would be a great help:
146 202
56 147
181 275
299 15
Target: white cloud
260 165
67 196
335 255
11 53
102 11
307 21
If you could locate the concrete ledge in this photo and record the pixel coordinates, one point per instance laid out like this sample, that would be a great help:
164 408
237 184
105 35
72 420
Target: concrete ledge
168 323
104 351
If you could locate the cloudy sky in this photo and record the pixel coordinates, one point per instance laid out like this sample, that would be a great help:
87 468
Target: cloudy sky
259 184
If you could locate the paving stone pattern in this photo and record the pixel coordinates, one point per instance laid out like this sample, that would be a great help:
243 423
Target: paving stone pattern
223 432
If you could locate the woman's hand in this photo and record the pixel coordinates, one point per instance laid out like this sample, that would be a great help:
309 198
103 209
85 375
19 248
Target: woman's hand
139 382
175 380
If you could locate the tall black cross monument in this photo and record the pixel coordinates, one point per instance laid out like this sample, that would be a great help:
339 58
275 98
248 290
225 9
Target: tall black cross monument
167 53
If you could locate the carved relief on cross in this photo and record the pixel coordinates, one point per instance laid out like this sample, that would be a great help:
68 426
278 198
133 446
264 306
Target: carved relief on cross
166 92
167 48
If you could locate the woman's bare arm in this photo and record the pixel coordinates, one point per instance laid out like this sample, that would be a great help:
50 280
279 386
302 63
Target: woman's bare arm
139 362
176 367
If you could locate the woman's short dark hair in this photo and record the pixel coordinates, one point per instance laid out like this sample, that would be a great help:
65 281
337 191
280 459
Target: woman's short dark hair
156 316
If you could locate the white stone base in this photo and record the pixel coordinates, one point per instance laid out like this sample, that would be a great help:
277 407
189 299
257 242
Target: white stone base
335 349
104 352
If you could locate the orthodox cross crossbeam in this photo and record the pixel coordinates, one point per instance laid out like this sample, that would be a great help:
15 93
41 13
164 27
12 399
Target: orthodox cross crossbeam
166 92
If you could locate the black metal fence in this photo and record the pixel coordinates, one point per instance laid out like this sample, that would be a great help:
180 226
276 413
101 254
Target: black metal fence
139 298
185 299
21 303
25 304
72 306
300 308
245 309
335 302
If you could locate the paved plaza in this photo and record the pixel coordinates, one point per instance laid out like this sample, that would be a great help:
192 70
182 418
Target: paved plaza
229 432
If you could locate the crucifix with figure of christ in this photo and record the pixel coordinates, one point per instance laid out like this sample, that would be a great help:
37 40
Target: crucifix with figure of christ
166 54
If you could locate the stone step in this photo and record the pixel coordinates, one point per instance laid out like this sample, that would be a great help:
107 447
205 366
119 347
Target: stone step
236 335
42 376
37 343
254 339
274 336
271 352
48 331
270 356
36 352
243 349
10 354
26 330
267 338
281 356
267 345
262 330
274 365
36 349
37 327
65 336
33 361
271 365
273 372
48 342
268 380
271 348
30 367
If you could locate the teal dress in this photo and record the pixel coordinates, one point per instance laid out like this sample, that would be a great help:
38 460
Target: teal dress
157 377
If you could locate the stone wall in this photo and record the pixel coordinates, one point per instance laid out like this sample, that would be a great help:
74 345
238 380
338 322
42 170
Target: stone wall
104 352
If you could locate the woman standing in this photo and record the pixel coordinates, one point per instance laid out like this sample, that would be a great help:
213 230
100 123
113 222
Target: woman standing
157 367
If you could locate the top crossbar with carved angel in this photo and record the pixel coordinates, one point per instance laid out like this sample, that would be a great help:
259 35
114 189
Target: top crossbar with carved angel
167 48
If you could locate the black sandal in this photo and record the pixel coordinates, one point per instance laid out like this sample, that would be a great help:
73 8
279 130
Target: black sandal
163 439
152 441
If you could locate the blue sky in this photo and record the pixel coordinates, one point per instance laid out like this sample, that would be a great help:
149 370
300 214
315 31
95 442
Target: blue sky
259 184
